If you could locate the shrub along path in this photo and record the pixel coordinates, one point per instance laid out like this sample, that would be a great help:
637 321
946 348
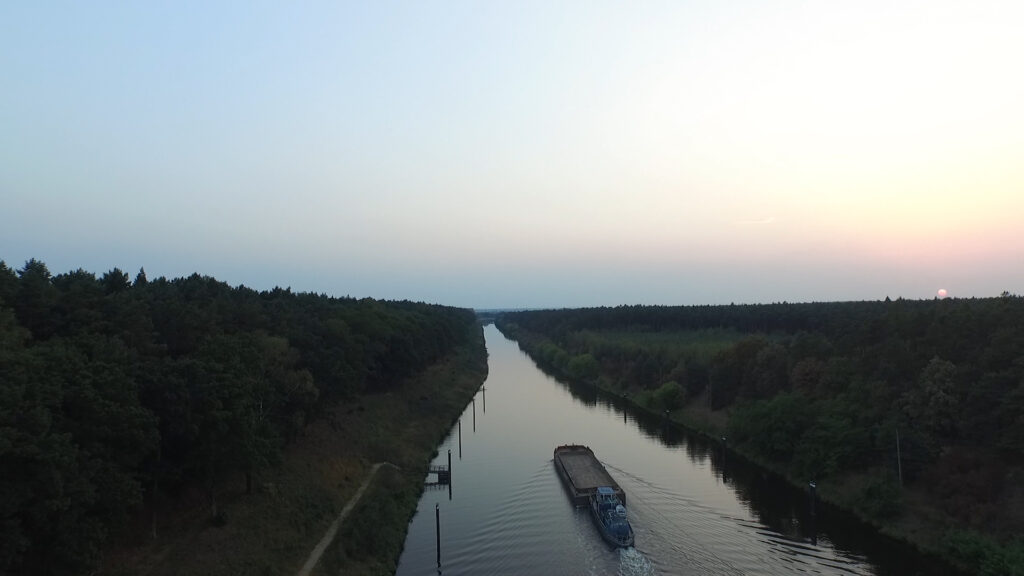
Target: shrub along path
332 530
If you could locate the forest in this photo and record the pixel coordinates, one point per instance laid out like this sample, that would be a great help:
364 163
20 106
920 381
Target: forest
117 393
909 413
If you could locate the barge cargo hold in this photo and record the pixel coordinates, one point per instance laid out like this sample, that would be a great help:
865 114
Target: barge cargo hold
582 474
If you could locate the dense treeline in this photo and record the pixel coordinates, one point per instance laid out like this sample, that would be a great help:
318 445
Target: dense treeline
117 394
821 391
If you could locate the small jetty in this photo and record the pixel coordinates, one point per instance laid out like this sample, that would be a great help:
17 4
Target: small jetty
582 474
442 473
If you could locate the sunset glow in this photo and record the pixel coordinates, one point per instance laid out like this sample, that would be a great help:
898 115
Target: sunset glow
522 154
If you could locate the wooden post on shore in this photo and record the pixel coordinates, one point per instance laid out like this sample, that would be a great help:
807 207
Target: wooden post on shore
474 413
725 462
814 495
460 438
449 474
814 514
814 530
437 523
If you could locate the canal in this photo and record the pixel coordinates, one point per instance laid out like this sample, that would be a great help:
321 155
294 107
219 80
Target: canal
694 508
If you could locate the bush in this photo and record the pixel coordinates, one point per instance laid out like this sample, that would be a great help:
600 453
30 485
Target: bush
386 502
880 499
669 396
833 443
985 556
584 367
772 428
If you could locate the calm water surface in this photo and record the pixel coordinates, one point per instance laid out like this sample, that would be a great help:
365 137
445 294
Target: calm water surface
694 510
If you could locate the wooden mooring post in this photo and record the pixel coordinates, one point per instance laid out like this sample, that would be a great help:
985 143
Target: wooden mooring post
437 524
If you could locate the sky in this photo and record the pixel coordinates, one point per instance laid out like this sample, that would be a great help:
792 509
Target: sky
521 154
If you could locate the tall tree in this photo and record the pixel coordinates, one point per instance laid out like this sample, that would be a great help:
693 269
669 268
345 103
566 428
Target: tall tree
115 281
36 300
8 285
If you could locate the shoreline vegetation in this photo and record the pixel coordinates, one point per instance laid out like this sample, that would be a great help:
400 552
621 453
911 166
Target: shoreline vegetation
186 426
274 531
820 392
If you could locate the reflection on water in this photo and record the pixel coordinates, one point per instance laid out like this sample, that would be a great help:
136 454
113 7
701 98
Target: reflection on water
694 508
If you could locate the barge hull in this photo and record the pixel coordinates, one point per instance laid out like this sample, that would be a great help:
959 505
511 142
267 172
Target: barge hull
582 473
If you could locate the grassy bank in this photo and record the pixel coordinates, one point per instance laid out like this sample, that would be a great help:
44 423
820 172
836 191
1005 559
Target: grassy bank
273 530
363 548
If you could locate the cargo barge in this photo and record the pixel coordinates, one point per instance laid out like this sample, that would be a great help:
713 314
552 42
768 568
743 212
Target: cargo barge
589 484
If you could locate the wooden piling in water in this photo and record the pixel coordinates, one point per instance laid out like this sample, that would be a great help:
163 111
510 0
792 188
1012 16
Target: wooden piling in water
814 495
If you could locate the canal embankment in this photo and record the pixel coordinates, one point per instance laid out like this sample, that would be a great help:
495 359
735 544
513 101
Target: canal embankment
920 526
